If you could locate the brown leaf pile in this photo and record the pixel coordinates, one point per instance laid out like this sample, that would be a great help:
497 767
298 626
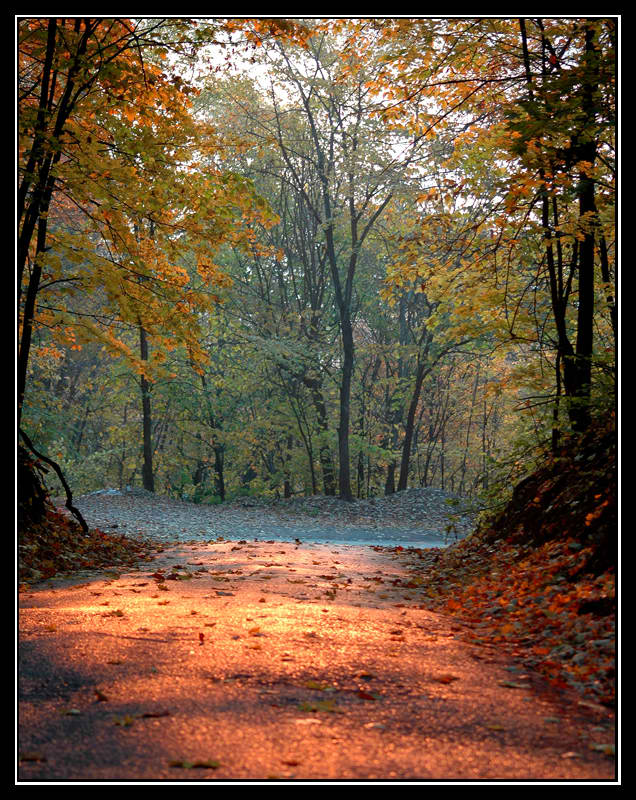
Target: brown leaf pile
57 545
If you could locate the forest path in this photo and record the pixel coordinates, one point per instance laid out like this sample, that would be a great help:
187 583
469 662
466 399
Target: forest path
268 660
412 518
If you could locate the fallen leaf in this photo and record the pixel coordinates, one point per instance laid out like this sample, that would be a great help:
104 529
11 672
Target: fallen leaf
315 685
590 704
32 757
512 685
607 749
445 678
320 705
208 764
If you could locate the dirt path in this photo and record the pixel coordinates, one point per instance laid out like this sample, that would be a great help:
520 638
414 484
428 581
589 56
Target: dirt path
254 661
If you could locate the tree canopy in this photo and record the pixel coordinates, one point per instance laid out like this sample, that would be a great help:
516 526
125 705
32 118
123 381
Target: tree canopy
326 255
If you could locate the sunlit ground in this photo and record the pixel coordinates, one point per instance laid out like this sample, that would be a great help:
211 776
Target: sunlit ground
257 661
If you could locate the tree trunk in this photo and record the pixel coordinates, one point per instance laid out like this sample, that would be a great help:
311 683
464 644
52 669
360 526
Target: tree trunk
605 275
328 472
219 477
146 470
32 495
389 485
410 427
587 210
31 483
324 452
287 482
577 363
360 475
33 209
468 431
344 478
25 339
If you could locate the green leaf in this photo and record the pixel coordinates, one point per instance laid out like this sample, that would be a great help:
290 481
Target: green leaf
199 764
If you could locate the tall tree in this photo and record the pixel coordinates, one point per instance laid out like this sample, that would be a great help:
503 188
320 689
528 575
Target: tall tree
110 189
359 166
539 94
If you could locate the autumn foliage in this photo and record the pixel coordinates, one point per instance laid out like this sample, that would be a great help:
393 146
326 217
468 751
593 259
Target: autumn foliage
332 256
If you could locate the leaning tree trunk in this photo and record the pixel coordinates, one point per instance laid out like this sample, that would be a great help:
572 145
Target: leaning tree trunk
409 428
33 497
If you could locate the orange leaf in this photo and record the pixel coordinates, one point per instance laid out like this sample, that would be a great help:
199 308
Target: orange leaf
446 678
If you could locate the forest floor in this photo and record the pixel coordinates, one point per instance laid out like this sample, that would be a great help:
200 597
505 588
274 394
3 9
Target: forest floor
235 657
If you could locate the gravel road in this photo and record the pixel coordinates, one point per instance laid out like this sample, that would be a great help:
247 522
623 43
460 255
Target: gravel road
414 518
